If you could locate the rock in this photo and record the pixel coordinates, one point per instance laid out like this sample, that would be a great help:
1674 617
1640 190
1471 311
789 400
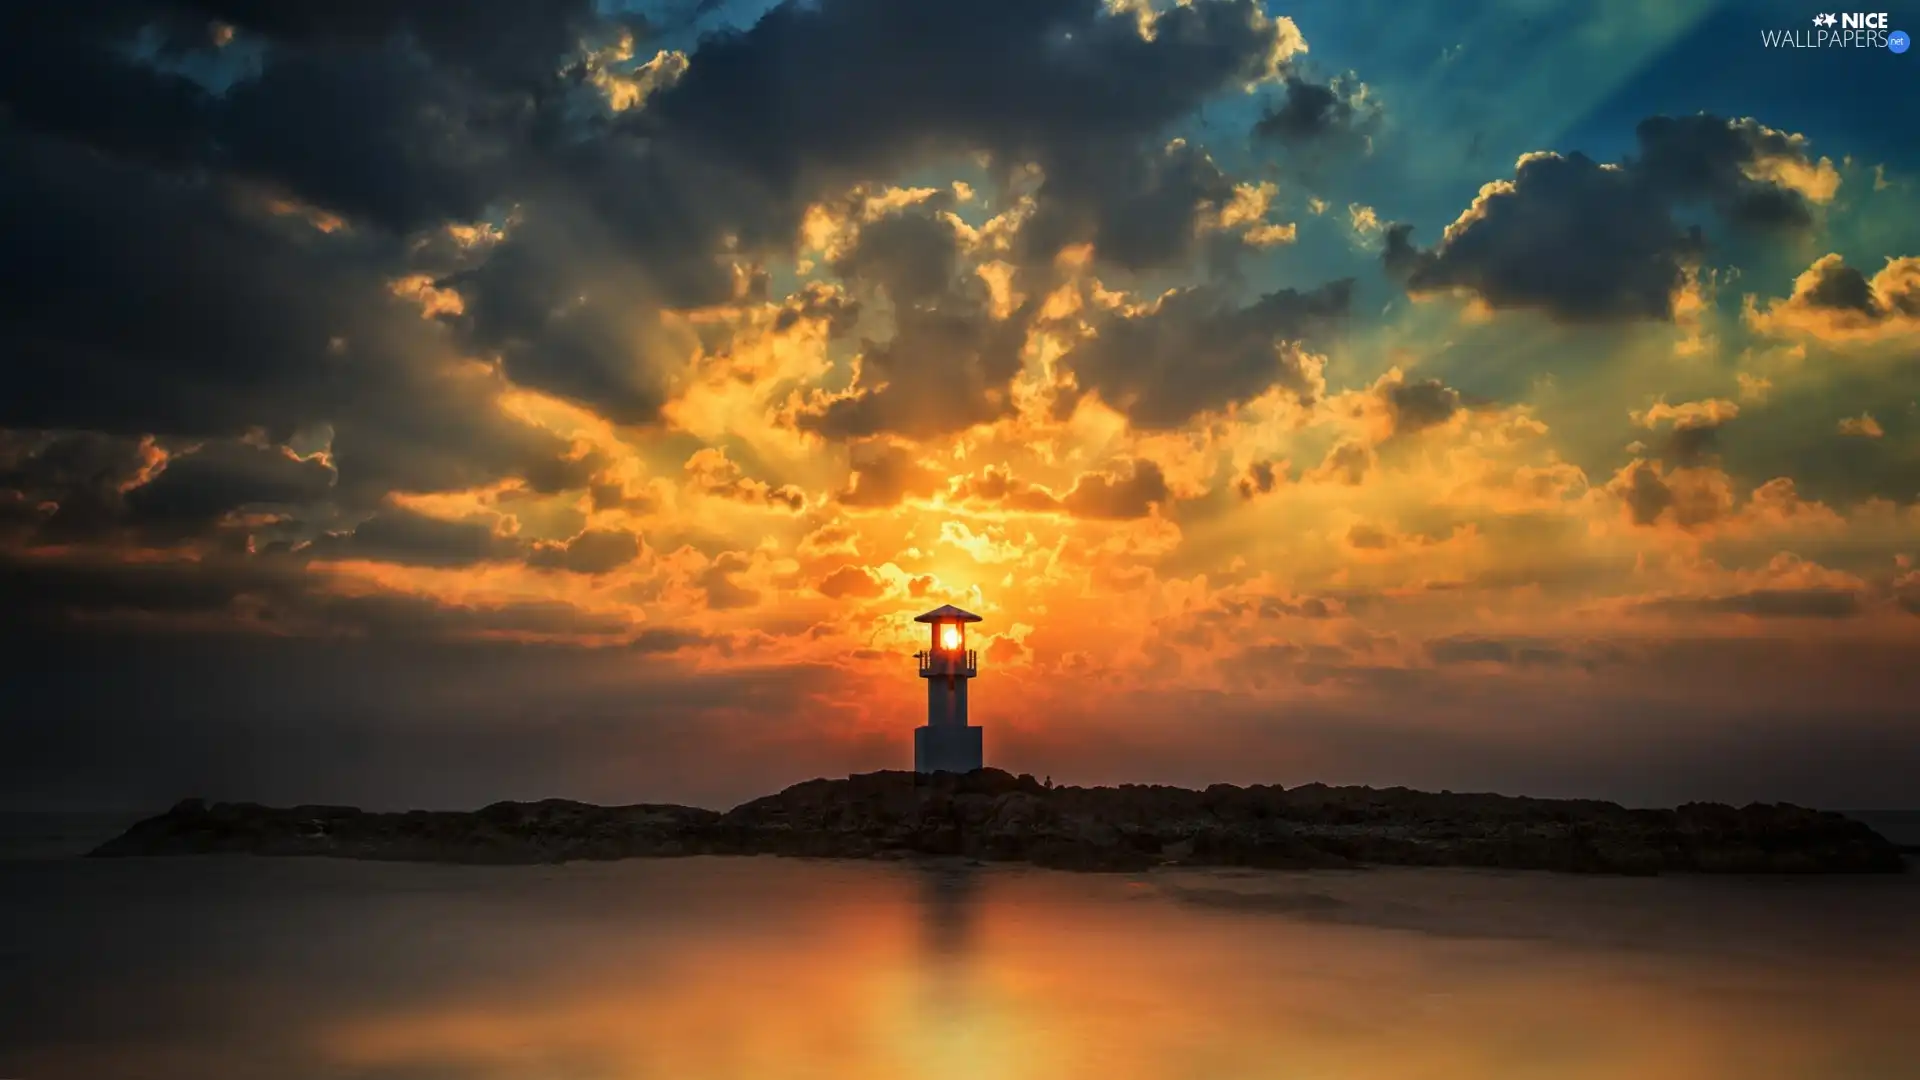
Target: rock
992 815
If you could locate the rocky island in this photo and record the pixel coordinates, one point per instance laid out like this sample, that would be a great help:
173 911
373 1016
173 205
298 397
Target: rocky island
992 815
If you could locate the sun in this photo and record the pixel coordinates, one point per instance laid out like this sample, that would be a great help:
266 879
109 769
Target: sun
950 636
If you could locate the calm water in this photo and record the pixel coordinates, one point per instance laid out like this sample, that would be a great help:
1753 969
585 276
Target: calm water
760 969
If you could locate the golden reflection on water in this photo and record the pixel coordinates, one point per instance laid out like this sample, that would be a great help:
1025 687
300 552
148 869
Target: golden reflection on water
943 974
765 969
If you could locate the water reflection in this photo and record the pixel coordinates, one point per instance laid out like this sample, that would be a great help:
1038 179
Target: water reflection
949 892
765 969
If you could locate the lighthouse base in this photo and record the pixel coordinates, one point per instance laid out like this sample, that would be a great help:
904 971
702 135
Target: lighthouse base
954 748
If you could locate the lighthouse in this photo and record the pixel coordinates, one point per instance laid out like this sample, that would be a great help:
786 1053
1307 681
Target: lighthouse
947 743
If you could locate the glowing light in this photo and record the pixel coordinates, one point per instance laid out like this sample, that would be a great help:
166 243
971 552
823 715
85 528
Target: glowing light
949 636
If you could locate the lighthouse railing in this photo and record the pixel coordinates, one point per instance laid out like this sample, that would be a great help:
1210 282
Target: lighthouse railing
943 663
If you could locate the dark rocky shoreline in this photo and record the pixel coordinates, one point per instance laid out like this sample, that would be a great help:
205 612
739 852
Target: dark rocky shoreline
991 815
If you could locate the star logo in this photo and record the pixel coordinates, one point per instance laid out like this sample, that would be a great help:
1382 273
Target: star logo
1825 19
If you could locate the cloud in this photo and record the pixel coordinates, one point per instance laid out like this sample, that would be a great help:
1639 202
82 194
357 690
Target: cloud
1755 174
1837 303
227 595
1193 351
854 582
67 486
723 593
389 331
1371 538
1768 604
1130 489
1261 478
1337 114
945 369
412 538
711 472
1522 652
997 484
1072 87
884 473
593 551
1695 427
1416 406
1863 426
1348 463
197 488
1567 236
1107 496
1586 242
912 255
1688 498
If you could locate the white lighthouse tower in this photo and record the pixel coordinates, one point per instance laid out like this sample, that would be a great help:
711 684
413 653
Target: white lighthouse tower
947 743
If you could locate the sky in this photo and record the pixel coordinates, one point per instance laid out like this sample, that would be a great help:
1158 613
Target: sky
408 404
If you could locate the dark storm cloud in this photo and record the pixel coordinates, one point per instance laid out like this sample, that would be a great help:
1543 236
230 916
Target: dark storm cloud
1133 490
64 70
1134 495
251 310
1195 351
70 596
1646 495
504 42
378 135
1686 497
560 325
948 363
147 304
399 116
1260 478
594 551
87 487
1418 406
201 244
1570 237
139 305
404 114
1586 242
43 592
404 618
724 593
769 119
203 485
1839 287
411 538
1692 443
864 86
999 485
1315 114
1139 211
884 473
912 256
945 369
1705 158
1830 285
1348 462
66 486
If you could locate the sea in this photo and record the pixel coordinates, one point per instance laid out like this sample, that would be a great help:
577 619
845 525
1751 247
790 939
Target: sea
238 968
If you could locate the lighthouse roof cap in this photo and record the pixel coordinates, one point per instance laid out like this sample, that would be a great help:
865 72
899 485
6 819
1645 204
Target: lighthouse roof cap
947 613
